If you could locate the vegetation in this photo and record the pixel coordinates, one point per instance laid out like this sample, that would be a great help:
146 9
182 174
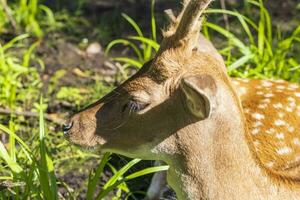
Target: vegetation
35 160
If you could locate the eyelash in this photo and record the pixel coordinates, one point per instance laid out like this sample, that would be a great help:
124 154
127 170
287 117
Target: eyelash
134 106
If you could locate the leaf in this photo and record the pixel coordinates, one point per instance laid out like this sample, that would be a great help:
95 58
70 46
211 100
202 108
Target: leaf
124 42
241 61
112 182
148 41
146 171
94 178
133 24
153 23
14 166
129 61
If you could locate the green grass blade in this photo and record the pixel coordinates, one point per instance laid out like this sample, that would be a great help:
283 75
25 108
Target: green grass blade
130 61
123 186
12 141
261 33
14 166
13 41
50 15
246 28
119 181
9 132
94 178
146 171
120 173
46 169
125 43
268 24
238 43
240 62
133 24
232 13
148 41
28 53
153 22
113 181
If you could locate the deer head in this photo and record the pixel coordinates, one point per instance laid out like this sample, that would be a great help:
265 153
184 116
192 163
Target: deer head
175 88
171 109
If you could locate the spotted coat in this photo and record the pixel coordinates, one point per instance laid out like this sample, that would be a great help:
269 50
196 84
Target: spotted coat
272 111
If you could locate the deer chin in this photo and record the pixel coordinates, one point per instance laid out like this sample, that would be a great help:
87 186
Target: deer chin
92 142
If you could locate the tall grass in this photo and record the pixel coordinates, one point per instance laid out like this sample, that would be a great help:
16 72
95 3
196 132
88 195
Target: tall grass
263 52
144 48
28 16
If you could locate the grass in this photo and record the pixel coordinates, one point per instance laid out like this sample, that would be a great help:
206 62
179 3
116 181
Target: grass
25 16
144 49
33 153
263 52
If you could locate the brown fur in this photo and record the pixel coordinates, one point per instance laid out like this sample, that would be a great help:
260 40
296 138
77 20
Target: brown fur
211 152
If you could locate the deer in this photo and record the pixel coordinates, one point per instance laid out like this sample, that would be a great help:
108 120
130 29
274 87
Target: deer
223 138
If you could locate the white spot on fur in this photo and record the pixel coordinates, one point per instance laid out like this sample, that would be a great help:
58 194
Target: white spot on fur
279 81
292 104
270 164
270 131
236 83
255 131
297 158
291 129
284 150
280 136
242 90
296 141
269 95
280 87
257 124
297 94
266 83
247 110
262 106
279 122
281 114
278 105
292 99
266 100
293 86
245 80
289 109
259 93
258 116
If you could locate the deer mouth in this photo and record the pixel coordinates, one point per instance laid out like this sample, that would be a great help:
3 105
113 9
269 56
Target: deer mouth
90 143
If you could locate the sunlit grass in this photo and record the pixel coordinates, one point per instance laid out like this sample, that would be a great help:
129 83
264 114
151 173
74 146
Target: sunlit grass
264 52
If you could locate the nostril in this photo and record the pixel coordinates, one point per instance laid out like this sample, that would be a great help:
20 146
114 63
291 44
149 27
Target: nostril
67 127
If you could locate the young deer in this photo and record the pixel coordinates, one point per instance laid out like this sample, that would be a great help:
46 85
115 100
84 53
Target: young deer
183 109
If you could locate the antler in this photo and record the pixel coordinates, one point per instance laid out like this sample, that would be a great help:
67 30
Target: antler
187 24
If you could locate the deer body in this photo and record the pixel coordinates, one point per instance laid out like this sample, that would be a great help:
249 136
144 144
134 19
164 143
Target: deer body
183 109
255 168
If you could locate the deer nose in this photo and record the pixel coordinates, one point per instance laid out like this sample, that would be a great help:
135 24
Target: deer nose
67 127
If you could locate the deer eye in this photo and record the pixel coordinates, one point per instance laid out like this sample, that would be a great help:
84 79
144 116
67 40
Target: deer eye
135 106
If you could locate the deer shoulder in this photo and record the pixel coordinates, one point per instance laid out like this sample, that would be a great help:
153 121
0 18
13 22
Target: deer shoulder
272 111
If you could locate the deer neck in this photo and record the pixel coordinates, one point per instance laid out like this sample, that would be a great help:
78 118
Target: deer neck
214 159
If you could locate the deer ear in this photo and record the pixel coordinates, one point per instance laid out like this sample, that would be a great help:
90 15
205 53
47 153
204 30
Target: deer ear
199 91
